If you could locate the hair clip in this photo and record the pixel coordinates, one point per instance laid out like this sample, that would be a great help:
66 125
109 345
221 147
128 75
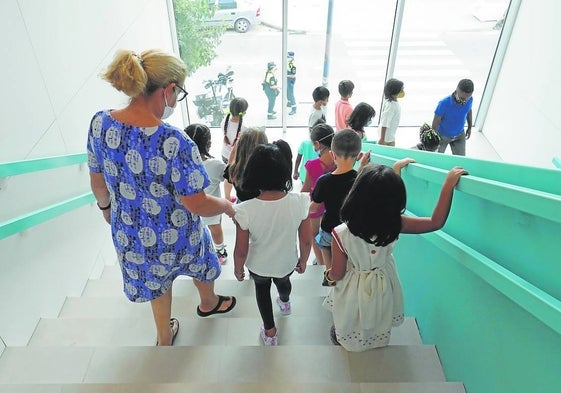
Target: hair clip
139 59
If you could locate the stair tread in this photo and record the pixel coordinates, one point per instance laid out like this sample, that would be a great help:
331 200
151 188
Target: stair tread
407 363
305 387
293 330
313 272
184 287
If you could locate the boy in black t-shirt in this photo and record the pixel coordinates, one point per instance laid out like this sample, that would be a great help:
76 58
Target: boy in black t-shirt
332 188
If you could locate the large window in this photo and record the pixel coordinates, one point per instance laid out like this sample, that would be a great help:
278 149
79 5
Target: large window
438 43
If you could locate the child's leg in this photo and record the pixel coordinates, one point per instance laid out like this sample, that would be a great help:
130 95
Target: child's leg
315 230
264 303
284 287
324 241
326 254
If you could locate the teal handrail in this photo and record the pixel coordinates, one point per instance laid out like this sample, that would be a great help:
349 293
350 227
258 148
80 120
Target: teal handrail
557 162
26 221
40 164
516 197
533 300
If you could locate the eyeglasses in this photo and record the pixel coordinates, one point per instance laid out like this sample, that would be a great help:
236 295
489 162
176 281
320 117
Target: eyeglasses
181 93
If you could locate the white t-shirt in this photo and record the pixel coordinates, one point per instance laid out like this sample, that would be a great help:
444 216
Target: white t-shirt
390 117
315 115
273 228
231 132
215 171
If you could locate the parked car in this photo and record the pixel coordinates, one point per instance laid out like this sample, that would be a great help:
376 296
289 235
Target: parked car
230 14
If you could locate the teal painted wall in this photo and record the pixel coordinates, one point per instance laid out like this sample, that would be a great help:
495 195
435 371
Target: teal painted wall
486 288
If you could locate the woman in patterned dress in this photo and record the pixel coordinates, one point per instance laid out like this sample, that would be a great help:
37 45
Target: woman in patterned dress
148 179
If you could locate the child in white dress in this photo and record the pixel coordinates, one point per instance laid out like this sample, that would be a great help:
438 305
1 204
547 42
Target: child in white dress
267 228
366 300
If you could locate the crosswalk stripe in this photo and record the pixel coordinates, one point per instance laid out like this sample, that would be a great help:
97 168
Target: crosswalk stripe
403 52
386 44
416 62
461 72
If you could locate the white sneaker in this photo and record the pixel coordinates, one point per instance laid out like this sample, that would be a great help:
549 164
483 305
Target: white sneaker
269 341
285 308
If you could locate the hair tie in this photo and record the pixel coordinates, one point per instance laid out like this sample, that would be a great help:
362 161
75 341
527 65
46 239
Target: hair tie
240 114
139 59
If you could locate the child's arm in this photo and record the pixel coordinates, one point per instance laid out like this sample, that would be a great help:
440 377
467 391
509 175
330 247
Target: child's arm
399 164
240 252
305 244
441 210
228 190
307 186
314 206
364 159
382 140
338 262
296 174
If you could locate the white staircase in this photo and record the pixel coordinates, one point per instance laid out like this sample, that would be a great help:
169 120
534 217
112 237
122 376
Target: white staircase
101 342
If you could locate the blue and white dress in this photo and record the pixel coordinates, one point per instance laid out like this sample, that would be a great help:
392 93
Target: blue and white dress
147 170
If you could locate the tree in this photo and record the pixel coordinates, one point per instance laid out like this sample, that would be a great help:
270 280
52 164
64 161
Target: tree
197 40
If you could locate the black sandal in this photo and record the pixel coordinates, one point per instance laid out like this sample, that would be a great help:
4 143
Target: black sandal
216 310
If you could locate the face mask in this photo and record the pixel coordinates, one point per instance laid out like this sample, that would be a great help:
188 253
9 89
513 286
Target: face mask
401 94
368 123
459 100
318 152
168 110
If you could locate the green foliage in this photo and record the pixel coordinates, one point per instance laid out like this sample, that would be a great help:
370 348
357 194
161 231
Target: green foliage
197 41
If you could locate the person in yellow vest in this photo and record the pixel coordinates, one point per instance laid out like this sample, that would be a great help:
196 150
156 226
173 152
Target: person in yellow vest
290 81
271 89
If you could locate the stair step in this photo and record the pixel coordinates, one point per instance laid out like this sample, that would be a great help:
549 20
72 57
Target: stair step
313 272
306 330
407 387
239 364
184 287
182 306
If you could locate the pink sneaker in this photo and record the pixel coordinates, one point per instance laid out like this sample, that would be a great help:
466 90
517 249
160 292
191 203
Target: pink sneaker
285 308
269 341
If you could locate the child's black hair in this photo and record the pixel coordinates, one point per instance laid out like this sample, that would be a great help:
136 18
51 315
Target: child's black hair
320 93
392 88
346 143
200 134
346 88
360 116
269 168
372 210
238 106
322 133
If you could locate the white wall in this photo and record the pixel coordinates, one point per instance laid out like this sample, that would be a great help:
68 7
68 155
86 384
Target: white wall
52 53
524 122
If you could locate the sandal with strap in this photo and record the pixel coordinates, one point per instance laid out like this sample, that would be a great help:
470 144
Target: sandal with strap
216 310
174 326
